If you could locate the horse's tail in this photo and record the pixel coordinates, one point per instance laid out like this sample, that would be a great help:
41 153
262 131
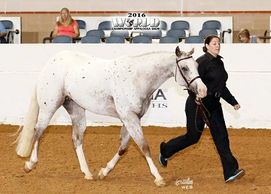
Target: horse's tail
26 136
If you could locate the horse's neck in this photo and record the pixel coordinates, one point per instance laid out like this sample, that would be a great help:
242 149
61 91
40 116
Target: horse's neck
160 68
163 68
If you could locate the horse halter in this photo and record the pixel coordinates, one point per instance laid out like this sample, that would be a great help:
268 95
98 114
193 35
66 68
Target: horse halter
180 71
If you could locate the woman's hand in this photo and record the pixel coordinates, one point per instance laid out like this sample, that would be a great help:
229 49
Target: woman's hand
237 106
198 100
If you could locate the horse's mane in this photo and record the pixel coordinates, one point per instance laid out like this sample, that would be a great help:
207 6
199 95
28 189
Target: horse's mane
150 53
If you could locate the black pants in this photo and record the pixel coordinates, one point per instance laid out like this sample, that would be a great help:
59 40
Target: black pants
195 127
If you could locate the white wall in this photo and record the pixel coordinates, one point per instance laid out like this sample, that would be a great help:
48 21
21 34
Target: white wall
248 66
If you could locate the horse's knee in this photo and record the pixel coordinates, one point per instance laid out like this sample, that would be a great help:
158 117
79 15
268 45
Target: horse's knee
77 139
76 143
145 149
38 133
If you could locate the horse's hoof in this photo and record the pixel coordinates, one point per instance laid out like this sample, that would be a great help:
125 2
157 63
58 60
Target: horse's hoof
100 174
160 182
89 177
27 169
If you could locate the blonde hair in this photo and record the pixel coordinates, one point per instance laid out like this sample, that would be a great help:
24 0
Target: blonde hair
69 20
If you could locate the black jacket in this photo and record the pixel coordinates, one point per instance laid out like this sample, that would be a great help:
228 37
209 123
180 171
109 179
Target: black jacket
214 76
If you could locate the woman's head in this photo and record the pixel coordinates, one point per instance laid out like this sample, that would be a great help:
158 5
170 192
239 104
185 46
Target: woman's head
65 16
212 45
244 36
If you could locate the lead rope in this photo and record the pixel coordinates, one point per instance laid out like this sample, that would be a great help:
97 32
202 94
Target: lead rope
202 110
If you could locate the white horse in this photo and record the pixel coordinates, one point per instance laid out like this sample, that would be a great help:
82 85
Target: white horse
120 88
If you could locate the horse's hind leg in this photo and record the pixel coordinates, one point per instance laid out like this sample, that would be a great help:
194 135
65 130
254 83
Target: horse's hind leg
78 118
43 120
132 124
124 140
49 98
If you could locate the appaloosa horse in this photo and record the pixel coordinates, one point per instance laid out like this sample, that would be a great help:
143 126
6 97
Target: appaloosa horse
120 88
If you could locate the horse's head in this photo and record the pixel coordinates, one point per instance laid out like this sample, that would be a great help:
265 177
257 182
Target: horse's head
186 73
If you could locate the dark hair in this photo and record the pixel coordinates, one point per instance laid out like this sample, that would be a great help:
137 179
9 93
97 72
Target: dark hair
207 40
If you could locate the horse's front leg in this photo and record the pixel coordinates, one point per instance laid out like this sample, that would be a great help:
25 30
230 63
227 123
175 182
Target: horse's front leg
124 140
132 123
78 118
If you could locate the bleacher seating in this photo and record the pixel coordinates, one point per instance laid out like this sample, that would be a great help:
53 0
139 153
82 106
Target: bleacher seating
180 25
178 33
169 39
141 39
82 27
212 24
163 25
115 39
10 31
154 34
207 32
181 29
194 39
62 39
122 33
91 39
105 25
99 33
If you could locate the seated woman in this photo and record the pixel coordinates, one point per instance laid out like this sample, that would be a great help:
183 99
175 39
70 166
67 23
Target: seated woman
244 37
66 25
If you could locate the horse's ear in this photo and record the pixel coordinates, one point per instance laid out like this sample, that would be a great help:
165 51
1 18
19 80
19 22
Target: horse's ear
191 52
178 52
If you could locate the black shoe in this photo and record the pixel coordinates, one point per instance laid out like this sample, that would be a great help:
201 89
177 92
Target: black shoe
237 174
162 160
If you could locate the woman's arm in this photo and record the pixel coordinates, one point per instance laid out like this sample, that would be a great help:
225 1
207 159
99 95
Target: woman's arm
76 30
55 32
229 98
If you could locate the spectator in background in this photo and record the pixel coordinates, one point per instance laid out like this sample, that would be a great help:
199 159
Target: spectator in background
3 33
66 25
244 37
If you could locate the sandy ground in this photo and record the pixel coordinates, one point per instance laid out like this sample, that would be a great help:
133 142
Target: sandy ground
195 170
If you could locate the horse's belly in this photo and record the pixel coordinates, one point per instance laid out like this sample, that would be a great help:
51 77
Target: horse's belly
102 106
94 100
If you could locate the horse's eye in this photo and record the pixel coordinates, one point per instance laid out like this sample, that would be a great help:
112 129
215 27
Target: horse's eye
184 69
